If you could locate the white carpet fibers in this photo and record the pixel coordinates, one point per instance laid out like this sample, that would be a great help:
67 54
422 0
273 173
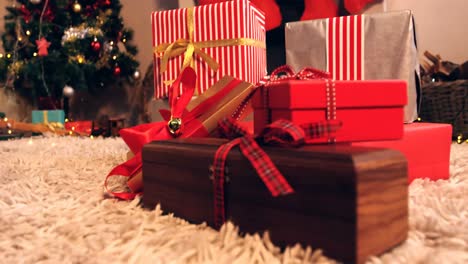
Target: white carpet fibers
52 210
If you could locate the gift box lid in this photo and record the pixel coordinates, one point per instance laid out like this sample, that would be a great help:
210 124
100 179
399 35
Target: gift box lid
299 94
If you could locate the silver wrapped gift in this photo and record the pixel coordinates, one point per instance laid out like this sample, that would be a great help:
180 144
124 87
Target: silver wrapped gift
361 47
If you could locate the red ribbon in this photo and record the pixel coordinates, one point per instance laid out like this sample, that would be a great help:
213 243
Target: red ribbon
281 133
136 137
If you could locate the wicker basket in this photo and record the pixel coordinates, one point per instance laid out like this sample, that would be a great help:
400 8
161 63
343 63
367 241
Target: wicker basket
446 102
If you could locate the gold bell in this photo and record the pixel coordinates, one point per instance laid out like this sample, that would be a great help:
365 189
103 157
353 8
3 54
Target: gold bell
175 125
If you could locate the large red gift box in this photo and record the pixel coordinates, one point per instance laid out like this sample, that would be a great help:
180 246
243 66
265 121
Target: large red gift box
368 110
230 35
426 147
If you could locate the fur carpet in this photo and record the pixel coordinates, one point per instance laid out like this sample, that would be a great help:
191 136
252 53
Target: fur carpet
53 210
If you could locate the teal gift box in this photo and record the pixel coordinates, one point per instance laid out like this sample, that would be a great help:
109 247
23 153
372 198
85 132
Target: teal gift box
48 116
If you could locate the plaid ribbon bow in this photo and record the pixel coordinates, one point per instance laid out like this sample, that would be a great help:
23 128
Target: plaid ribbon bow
280 133
285 72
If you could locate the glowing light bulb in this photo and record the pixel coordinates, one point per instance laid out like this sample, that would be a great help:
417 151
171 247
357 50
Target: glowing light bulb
28 32
76 7
114 57
1 55
9 131
30 141
35 54
5 119
92 137
8 55
66 119
80 59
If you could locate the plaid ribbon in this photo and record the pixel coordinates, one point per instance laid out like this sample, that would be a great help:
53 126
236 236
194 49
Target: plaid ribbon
285 72
280 133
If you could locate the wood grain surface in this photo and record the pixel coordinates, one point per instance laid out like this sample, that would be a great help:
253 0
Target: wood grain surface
350 201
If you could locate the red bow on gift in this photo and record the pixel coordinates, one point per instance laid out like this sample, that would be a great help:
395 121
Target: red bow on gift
280 133
179 122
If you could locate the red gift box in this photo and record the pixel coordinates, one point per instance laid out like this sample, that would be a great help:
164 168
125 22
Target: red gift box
84 127
426 147
230 34
368 110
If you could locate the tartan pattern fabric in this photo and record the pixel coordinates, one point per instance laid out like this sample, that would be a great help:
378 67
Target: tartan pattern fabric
286 134
285 72
281 132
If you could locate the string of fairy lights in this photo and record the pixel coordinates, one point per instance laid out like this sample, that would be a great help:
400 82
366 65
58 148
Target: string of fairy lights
53 127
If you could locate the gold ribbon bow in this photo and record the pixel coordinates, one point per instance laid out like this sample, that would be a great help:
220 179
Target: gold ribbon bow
188 47
52 125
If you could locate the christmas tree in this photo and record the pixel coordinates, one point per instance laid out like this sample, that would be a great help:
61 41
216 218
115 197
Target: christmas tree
53 47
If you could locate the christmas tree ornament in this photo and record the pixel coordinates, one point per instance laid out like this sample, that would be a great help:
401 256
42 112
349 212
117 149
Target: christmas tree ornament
96 45
35 1
49 15
117 70
27 15
76 7
136 75
68 91
42 46
80 58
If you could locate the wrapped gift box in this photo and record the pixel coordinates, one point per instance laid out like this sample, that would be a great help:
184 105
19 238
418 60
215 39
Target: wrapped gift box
48 116
368 110
231 34
222 100
351 202
363 47
426 147
83 127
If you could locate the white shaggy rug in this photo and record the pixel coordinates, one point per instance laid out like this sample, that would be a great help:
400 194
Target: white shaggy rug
53 210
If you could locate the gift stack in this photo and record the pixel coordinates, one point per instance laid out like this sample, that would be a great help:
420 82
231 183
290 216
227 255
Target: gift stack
329 159
376 47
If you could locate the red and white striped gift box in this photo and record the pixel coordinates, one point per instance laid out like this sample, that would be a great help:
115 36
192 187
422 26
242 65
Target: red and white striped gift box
345 47
230 20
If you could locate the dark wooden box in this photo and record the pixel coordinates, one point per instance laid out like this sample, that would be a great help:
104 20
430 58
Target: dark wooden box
350 201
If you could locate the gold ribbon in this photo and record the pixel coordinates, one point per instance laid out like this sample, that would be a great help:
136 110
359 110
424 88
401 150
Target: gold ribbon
52 125
188 47
45 117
